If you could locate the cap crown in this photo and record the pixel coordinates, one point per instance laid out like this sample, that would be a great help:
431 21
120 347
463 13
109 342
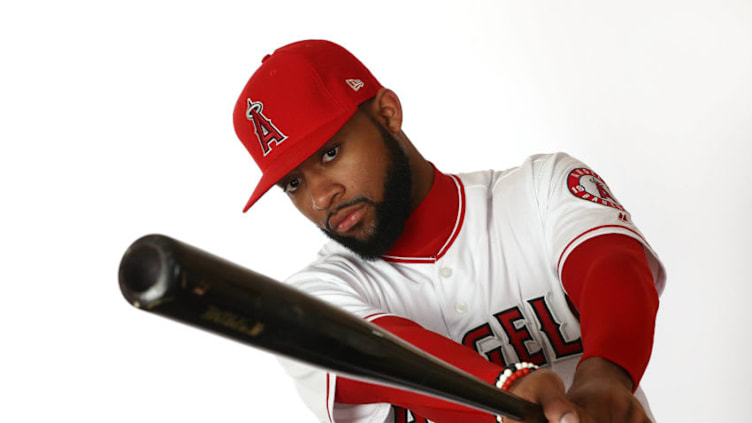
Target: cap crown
299 97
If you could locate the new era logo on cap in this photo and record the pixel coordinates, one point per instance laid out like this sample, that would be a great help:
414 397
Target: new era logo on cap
355 84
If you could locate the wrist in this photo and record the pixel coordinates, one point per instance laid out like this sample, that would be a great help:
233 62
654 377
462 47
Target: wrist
601 371
604 391
511 374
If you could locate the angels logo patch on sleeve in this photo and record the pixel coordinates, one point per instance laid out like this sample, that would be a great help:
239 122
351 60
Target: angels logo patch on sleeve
587 185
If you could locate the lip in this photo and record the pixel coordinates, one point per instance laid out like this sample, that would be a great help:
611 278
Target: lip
345 219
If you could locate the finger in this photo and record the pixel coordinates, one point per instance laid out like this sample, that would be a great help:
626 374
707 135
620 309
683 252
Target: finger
559 410
547 389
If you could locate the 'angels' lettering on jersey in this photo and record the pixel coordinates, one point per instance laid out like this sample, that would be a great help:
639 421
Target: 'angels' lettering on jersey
476 338
516 329
552 330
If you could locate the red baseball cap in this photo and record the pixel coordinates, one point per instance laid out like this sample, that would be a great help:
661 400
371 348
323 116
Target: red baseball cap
298 98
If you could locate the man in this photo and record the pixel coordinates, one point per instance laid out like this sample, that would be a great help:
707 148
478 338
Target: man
537 264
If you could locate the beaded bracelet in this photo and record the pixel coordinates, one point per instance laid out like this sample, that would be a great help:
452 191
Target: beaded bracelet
510 374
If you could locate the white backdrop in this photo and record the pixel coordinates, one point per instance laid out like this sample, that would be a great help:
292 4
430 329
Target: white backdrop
116 122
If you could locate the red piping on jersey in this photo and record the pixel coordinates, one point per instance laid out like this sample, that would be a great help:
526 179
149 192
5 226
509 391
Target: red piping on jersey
427 235
375 316
558 265
460 220
328 413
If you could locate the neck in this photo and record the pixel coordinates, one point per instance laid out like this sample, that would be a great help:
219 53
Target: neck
433 224
421 171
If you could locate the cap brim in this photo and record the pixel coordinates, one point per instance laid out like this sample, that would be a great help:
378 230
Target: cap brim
304 147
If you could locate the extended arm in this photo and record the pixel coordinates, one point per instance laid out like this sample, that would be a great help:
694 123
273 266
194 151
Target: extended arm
610 283
349 391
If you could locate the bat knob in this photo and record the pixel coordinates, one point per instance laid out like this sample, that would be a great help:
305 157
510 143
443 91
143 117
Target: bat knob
148 271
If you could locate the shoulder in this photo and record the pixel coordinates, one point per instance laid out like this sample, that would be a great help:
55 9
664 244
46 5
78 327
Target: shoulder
533 173
545 167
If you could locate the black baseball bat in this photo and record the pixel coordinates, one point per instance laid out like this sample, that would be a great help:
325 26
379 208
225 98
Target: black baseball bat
173 279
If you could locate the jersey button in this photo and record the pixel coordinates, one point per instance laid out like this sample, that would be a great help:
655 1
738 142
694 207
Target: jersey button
460 307
445 272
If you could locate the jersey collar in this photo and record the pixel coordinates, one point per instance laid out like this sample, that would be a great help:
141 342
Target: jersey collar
433 226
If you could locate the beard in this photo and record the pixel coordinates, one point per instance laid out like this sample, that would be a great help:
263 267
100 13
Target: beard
391 213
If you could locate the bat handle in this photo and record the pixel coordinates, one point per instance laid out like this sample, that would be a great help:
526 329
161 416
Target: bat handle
535 415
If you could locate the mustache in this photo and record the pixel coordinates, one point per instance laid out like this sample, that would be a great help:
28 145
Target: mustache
358 200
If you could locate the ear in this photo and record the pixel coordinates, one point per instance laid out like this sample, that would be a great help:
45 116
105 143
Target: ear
386 108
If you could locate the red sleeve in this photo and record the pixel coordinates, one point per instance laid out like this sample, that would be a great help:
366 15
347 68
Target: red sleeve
349 391
610 283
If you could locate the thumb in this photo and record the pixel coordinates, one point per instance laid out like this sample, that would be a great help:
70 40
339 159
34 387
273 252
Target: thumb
547 389
558 409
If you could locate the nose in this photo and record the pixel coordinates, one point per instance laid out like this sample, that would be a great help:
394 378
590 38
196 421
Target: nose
324 191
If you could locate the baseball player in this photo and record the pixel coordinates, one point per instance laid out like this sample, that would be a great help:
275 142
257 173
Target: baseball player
534 279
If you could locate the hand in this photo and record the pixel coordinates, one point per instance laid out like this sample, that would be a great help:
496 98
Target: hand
601 393
604 391
547 389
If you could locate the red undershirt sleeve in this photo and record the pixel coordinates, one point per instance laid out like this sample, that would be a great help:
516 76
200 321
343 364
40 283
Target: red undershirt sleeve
609 282
349 391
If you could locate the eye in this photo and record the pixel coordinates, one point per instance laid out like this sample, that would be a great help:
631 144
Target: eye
292 185
330 154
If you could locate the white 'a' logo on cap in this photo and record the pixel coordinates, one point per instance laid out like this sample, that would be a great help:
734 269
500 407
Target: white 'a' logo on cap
355 84
266 132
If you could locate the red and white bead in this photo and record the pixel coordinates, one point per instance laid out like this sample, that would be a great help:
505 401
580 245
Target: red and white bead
512 373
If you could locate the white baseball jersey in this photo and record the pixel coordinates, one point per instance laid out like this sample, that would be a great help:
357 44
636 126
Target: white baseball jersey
494 286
